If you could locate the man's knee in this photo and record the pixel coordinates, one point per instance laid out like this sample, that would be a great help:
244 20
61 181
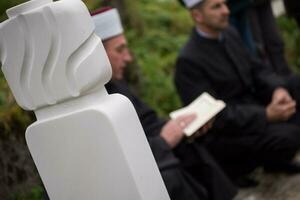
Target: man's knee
283 137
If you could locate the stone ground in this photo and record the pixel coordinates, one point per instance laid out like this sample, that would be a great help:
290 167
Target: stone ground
273 187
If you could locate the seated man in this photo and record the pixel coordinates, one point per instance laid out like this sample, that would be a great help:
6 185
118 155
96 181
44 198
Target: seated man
194 177
260 125
259 32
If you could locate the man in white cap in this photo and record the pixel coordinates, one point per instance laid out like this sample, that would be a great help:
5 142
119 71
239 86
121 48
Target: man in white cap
191 173
260 125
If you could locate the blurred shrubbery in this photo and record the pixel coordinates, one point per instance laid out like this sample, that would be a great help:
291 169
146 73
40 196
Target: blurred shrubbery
35 194
291 35
163 28
12 118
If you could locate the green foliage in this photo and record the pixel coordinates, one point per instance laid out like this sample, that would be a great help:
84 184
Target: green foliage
4 5
163 28
291 35
13 119
36 193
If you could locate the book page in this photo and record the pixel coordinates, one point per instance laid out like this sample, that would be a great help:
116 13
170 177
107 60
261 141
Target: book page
205 107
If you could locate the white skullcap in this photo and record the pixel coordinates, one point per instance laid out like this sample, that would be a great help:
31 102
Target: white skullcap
191 3
107 23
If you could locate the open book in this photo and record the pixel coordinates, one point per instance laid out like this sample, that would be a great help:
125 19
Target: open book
205 107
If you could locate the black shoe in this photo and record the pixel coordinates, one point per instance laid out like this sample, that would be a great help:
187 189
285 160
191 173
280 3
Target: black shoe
246 182
292 167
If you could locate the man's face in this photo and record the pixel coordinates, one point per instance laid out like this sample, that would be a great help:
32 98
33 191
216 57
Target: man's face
118 54
214 14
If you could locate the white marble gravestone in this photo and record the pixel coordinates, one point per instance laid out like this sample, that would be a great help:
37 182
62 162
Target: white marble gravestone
86 144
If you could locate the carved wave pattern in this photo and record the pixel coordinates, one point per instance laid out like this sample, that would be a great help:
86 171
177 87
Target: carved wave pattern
53 54
27 60
77 61
43 87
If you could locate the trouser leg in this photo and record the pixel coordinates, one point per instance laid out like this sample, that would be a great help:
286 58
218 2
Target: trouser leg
235 154
239 155
279 144
181 186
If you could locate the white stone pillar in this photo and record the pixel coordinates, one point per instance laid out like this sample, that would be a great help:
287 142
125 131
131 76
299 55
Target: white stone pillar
86 144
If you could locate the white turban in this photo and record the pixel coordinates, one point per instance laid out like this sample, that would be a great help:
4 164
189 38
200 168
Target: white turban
191 3
107 23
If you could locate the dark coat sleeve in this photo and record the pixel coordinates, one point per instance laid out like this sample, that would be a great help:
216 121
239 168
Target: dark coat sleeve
266 80
263 77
